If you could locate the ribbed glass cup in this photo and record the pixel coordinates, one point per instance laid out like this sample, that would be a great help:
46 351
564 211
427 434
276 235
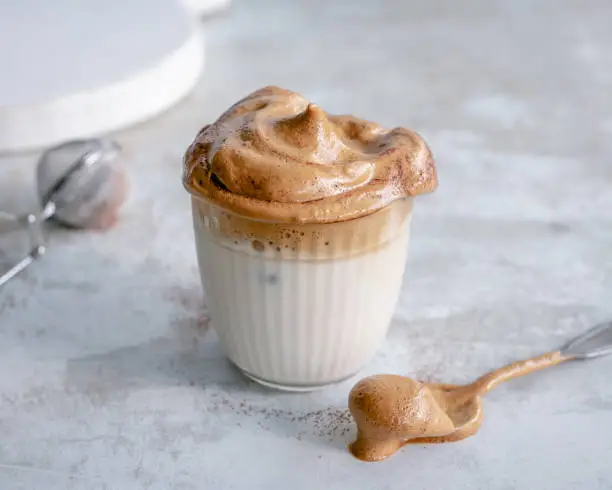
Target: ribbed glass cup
301 306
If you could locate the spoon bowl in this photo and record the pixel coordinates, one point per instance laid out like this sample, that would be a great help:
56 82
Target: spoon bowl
466 415
392 411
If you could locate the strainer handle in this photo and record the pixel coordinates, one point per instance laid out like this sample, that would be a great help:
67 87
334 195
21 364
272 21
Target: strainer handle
33 225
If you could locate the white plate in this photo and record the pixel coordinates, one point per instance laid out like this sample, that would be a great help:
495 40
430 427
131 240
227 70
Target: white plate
75 69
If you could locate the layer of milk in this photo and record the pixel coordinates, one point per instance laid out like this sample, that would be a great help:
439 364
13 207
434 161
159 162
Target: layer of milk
300 323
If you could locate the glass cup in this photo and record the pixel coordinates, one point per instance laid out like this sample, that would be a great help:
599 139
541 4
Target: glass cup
301 306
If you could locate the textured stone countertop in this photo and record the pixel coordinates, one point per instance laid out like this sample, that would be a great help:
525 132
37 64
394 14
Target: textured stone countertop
110 377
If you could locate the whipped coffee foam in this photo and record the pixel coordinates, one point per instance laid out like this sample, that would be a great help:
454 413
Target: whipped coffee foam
275 156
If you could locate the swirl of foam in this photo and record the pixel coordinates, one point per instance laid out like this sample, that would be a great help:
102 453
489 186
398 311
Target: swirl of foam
275 156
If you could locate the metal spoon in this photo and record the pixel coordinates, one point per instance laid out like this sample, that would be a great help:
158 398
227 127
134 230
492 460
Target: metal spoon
77 183
392 411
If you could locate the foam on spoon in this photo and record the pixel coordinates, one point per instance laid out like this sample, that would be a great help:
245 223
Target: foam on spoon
392 410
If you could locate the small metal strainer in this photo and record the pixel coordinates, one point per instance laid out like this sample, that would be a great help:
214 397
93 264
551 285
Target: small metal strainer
79 185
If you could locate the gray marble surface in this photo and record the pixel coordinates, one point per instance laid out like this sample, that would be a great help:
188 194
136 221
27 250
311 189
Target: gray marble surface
110 377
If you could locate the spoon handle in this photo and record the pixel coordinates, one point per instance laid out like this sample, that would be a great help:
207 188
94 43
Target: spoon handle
595 342
487 382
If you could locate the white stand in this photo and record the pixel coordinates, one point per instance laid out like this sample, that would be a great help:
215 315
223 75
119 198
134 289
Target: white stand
78 68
